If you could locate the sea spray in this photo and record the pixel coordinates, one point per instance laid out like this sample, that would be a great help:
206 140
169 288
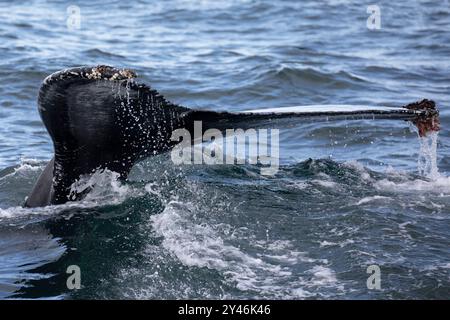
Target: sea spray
103 186
427 162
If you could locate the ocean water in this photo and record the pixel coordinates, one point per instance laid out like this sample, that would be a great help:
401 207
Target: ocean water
348 194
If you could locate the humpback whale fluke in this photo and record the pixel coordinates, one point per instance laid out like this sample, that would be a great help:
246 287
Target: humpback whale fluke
100 117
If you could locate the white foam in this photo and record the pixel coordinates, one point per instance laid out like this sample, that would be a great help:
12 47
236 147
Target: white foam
371 199
322 276
355 165
266 272
18 211
327 243
106 190
26 166
400 181
104 186
439 186
326 184
332 244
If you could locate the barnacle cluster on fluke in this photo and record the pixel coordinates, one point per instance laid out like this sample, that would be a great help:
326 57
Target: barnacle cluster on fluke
100 72
428 119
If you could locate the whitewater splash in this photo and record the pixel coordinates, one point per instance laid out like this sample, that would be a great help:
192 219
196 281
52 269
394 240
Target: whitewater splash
262 271
102 187
427 161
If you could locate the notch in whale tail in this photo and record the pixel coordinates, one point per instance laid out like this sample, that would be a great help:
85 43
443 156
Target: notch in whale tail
99 117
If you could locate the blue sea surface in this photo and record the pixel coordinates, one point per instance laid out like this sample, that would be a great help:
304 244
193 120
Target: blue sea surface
348 194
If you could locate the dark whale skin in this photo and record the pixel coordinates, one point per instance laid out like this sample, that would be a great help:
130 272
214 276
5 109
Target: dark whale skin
101 118
98 117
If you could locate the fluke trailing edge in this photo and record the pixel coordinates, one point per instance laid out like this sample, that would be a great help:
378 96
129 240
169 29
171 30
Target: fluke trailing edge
100 117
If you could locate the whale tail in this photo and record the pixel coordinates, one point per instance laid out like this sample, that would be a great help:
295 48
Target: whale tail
99 117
